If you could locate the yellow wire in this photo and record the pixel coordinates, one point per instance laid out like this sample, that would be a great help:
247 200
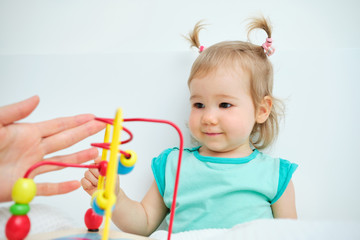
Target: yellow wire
106 140
104 155
111 172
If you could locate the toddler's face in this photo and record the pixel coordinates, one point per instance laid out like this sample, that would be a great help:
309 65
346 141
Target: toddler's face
222 113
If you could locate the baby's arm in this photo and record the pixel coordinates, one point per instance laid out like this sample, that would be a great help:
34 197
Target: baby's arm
285 206
130 216
140 217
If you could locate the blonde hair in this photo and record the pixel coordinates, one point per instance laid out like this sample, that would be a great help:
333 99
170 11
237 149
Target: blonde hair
249 57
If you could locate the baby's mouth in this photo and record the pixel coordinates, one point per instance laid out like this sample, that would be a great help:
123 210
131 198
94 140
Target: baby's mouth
212 134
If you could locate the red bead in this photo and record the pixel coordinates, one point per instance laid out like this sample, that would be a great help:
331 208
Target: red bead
102 167
17 227
92 220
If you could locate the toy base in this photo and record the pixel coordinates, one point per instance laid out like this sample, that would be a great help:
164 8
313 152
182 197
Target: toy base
83 234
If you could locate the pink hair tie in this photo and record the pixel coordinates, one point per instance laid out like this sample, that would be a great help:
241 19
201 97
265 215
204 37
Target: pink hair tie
201 48
268 49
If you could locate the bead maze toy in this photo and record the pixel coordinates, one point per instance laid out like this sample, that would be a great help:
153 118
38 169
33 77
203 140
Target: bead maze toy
103 200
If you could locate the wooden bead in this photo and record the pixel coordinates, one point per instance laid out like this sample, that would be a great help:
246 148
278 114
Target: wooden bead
96 208
103 167
17 227
24 190
122 170
128 162
19 209
92 220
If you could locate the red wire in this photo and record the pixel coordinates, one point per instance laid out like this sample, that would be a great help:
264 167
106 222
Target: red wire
111 121
130 136
104 145
107 146
57 164
105 120
181 148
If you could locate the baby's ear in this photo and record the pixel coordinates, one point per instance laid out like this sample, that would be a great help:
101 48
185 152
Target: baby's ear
264 110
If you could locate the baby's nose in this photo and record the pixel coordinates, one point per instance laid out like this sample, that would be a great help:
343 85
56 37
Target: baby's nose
209 117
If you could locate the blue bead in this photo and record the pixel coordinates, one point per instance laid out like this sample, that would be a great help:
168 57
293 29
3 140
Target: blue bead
96 208
124 170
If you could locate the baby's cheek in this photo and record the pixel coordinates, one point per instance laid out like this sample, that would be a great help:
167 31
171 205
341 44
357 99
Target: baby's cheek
242 128
192 125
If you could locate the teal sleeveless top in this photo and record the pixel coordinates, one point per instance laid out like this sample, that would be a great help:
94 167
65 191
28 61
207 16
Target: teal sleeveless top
220 192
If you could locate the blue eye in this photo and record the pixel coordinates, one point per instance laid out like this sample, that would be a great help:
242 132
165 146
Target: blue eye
199 105
225 105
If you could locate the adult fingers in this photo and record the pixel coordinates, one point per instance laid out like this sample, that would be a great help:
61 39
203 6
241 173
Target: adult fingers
57 125
71 136
17 111
48 189
75 158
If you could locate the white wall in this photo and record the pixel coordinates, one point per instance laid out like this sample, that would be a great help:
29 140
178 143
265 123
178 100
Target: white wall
89 56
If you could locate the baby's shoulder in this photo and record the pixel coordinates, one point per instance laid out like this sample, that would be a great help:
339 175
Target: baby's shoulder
268 158
175 150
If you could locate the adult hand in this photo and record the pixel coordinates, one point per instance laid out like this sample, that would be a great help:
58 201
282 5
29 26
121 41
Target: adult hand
24 144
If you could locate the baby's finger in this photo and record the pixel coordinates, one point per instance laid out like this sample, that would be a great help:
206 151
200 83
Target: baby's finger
91 178
87 186
95 172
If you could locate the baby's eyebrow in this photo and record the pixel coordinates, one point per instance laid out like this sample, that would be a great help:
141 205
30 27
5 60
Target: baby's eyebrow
194 96
226 96
218 96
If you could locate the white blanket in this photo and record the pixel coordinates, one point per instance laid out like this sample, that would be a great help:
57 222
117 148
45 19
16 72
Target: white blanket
277 229
48 219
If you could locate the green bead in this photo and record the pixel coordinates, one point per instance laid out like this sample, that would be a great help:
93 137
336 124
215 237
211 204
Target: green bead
19 209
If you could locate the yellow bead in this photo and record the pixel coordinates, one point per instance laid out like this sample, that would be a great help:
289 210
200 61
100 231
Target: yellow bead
24 190
105 202
100 199
128 162
95 194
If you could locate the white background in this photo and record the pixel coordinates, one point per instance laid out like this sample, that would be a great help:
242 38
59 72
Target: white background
93 57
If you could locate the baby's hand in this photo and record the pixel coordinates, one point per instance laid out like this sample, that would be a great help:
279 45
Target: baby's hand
90 180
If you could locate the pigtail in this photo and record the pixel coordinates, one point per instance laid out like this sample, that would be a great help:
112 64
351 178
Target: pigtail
259 23
264 24
193 37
